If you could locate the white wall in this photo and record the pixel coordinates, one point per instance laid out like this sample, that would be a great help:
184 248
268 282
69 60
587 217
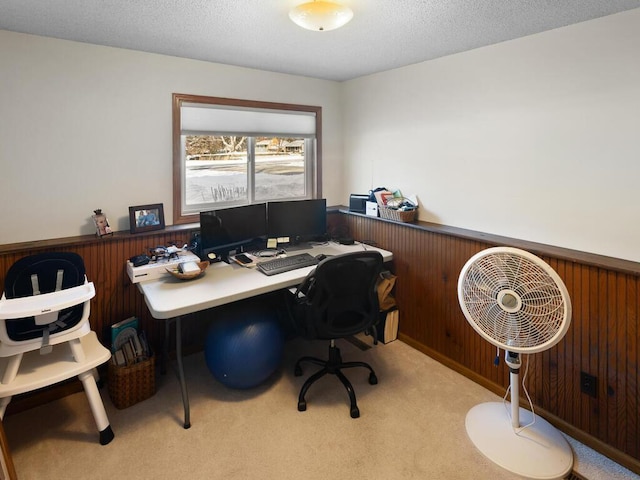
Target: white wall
536 138
85 127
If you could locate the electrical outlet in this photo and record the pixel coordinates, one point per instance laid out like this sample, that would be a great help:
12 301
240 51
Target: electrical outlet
589 384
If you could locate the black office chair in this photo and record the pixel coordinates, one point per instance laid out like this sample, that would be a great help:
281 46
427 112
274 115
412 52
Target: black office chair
338 299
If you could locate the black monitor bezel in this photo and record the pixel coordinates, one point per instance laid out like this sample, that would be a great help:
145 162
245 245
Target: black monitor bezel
296 214
255 218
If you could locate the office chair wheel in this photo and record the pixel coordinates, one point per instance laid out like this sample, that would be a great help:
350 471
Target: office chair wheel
302 405
355 412
373 380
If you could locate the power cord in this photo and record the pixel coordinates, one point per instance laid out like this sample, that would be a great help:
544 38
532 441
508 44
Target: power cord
526 392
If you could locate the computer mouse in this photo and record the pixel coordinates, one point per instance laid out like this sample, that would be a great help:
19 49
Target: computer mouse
321 257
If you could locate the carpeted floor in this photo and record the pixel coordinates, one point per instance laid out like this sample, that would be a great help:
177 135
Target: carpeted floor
575 476
411 427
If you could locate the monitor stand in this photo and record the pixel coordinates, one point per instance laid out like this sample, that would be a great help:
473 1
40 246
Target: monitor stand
220 258
292 247
256 244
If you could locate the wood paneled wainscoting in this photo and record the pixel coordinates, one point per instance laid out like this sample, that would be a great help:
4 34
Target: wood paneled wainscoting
116 297
602 339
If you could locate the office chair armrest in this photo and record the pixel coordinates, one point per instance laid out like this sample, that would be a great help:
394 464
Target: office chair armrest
46 302
304 291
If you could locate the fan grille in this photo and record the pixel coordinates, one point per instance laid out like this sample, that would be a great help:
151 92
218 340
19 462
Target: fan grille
514 301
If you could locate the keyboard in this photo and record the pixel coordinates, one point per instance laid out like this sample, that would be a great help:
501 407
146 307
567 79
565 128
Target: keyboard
286 264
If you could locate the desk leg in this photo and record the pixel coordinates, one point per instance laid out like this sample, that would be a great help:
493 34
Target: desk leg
183 383
165 347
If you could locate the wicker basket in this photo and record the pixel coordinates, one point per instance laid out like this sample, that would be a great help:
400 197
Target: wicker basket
398 215
132 384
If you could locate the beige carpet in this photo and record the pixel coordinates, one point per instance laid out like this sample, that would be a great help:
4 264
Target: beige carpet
411 427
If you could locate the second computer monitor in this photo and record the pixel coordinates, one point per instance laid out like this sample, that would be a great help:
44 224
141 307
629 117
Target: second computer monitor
299 220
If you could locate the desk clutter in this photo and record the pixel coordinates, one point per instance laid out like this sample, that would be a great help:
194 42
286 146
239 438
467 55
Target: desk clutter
392 205
132 366
158 268
225 284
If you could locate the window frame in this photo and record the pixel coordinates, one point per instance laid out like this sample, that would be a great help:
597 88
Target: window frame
179 99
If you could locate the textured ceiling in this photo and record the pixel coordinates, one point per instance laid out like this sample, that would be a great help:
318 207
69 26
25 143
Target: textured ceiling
384 34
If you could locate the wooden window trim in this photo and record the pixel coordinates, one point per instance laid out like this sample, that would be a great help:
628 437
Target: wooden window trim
180 98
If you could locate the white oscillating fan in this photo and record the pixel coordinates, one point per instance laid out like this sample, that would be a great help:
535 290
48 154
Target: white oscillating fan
518 303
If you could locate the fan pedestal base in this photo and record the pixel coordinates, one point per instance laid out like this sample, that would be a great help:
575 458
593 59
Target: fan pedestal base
537 452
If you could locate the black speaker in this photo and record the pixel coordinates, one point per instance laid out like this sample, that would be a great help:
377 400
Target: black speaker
358 203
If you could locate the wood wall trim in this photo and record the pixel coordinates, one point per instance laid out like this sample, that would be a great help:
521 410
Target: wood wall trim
116 297
603 339
623 459
85 240
593 259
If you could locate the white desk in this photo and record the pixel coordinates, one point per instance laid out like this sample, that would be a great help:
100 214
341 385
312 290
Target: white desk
169 298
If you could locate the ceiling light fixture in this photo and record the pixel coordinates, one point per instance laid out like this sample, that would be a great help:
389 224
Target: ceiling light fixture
320 15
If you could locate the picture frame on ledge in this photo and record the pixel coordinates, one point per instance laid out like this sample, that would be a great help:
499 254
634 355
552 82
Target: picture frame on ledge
101 222
146 218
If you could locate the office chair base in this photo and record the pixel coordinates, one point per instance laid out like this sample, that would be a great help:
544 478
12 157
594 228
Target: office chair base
354 410
333 366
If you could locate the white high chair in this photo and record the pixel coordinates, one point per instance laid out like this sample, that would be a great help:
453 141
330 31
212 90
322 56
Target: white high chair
45 335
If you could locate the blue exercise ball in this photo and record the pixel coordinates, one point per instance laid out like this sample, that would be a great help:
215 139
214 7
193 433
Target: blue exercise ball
244 346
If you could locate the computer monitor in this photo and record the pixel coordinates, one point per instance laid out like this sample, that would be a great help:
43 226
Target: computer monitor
230 229
300 220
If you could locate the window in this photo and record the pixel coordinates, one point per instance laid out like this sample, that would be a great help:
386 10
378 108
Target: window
229 152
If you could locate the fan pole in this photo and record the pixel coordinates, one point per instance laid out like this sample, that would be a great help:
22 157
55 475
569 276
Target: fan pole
537 452
517 302
513 362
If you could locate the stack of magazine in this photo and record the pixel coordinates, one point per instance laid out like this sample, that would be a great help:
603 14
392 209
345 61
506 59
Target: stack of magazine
128 346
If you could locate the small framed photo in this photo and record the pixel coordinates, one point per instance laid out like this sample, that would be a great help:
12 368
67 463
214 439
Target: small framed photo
145 218
102 223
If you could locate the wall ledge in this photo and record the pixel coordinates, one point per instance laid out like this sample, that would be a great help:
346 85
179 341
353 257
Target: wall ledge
90 239
540 249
